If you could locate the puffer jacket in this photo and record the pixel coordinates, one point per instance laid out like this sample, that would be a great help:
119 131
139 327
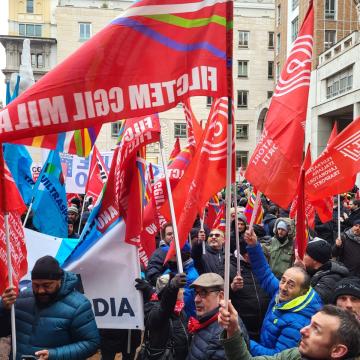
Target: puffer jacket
157 323
156 265
325 279
281 256
205 344
349 252
66 328
283 320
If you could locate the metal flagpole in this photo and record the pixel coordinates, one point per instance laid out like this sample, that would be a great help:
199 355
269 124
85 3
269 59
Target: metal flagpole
237 239
338 219
172 211
202 229
28 212
81 214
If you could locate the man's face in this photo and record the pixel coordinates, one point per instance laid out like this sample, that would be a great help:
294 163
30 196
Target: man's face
281 233
202 235
290 286
216 239
169 234
241 226
72 216
317 340
356 229
309 263
45 290
70 229
206 300
350 303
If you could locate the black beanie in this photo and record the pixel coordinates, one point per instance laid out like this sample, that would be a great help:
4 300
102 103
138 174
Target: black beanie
319 250
348 286
46 268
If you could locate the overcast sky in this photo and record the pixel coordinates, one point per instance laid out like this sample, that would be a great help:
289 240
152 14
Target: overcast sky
3 31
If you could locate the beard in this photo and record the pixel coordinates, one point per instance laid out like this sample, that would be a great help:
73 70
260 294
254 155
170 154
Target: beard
46 299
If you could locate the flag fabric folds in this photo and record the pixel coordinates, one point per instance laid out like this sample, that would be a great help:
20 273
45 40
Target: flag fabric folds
334 170
275 164
176 150
249 209
50 205
147 60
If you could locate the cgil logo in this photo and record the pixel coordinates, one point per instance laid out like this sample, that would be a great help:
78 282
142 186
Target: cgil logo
103 306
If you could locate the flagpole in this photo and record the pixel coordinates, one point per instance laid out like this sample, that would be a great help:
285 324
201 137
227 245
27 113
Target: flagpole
202 229
237 239
338 219
172 211
28 212
8 251
81 214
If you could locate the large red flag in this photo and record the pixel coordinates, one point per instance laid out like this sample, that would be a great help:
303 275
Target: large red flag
206 174
275 164
193 127
334 170
98 175
176 150
147 60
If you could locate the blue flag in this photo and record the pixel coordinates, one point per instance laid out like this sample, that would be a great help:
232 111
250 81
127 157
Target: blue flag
50 206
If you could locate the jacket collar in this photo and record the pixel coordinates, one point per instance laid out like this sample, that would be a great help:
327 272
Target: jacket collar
296 304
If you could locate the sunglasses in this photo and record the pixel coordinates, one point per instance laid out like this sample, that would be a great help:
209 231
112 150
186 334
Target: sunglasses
217 235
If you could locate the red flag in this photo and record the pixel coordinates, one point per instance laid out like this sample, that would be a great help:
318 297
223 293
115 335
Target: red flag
219 222
275 164
213 210
249 208
145 61
98 175
194 129
333 172
175 151
209 161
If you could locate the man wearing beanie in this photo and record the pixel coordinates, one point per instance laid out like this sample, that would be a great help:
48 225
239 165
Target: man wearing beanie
324 272
53 320
347 295
347 248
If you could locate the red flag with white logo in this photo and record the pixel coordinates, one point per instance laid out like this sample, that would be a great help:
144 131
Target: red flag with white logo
275 164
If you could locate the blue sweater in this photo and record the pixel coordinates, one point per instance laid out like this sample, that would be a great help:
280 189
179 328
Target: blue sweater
283 320
66 327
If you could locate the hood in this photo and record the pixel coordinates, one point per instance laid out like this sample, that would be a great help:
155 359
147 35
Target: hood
350 234
69 283
290 223
269 217
307 304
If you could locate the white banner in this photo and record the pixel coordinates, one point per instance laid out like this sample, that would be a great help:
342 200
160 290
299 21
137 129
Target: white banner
107 269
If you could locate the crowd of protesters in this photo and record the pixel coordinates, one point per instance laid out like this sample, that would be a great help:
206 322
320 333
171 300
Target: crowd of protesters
280 306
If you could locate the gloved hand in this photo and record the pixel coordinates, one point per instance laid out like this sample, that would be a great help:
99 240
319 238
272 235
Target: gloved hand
145 287
178 281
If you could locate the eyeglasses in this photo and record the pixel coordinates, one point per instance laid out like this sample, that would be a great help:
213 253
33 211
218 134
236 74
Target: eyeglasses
217 235
204 293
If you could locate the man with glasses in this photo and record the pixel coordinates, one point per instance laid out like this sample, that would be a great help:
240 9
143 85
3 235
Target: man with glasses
205 344
213 260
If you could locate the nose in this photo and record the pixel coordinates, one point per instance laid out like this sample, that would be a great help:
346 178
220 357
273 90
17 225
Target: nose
348 304
305 331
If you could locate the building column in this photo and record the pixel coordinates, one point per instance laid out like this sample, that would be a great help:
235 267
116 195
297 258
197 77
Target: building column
356 110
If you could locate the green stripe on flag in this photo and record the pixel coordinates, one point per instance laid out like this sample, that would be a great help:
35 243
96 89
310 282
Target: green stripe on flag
188 23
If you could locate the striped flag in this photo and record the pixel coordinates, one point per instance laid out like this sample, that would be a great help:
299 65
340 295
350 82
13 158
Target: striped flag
250 207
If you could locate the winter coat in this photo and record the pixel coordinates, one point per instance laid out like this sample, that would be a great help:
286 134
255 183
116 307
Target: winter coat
235 349
283 320
66 327
157 323
156 265
349 252
205 343
269 223
251 302
325 279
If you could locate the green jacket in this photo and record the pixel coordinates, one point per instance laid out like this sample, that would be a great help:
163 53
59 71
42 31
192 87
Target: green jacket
235 349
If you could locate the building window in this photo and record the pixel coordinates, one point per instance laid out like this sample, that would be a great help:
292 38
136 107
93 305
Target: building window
278 43
270 69
339 83
180 130
278 15
294 29
269 94
271 40
85 31
242 131
277 71
330 38
30 30
242 68
40 61
241 159
209 101
30 6
242 98
33 60
295 4
330 6
243 39
115 128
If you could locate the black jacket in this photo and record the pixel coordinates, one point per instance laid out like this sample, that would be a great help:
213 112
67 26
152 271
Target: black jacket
156 266
251 302
157 323
325 279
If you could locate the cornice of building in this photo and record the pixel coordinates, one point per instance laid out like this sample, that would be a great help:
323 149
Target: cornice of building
19 39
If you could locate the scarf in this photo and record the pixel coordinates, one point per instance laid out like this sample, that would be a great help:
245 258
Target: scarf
195 325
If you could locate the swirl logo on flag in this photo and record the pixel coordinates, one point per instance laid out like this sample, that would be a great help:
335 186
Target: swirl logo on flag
350 147
297 71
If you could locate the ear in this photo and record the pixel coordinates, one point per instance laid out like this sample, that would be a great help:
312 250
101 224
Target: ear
338 351
221 295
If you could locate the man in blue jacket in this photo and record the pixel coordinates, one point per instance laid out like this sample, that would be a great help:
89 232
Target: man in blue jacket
293 303
53 320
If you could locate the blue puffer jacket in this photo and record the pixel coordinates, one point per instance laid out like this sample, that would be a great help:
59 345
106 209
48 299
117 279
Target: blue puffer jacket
283 320
66 328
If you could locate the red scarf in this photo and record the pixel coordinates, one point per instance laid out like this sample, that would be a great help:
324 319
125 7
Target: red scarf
195 325
179 305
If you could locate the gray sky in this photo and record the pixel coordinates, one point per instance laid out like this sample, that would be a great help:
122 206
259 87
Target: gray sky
3 31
